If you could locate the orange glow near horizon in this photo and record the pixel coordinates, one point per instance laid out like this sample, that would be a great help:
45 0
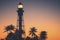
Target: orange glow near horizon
52 31
42 25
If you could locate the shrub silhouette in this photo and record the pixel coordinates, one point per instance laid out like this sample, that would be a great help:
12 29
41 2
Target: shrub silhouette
43 35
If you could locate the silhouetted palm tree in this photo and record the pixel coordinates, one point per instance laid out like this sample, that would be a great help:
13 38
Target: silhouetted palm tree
43 35
11 35
8 28
32 31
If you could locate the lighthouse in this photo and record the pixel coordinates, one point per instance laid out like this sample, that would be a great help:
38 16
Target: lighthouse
20 21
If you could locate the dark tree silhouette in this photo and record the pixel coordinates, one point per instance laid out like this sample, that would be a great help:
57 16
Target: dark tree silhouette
13 36
32 31
10 36
43 35
8 28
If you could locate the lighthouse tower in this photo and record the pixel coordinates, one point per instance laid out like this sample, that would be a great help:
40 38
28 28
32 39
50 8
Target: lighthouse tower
20 21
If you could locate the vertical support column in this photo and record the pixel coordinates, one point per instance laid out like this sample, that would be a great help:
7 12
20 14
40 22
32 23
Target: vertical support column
20 15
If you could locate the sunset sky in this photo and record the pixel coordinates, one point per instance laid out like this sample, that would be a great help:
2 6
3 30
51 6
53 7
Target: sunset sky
42 14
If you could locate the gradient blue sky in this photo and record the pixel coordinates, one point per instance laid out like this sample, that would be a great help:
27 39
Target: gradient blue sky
43 14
